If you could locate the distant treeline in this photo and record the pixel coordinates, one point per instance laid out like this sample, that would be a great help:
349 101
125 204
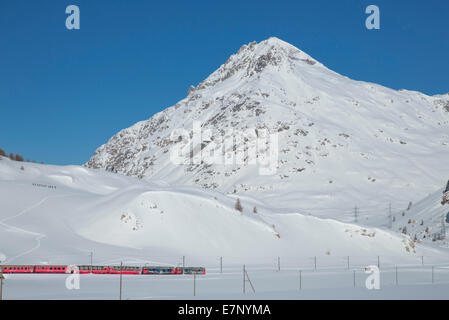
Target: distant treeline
15 157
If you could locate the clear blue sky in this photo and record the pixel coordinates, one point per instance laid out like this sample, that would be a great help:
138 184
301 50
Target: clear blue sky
63 92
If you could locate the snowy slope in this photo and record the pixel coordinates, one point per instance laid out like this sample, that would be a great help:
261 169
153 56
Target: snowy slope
54 214
423 220
341 142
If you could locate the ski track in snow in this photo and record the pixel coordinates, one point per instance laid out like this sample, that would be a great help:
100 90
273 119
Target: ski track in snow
38 235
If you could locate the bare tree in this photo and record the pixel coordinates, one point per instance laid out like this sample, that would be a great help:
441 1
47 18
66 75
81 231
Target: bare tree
3 153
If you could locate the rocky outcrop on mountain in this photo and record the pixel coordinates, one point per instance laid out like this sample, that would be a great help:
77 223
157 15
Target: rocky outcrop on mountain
335 142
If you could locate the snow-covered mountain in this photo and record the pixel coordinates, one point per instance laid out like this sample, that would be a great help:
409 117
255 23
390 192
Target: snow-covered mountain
59 214
340 142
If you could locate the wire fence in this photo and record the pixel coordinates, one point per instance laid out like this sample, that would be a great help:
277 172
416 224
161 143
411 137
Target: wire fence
265 282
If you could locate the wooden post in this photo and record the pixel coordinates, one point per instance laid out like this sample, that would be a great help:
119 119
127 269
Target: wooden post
300 279
221 264
348 262
397 282
353 272
422 260
378 262
121 265
315 262
183 261
243 278
1 283
194 284
279 263
433 275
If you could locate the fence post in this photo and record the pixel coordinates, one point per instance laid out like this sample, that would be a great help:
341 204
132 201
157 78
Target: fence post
279 264
422 260
194 284
348 262
243 278
397 282
1 283
300 279
315 262
121 267
378 262
183 261
354 277
433 275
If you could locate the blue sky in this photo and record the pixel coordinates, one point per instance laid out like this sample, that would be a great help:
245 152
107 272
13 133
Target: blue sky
63 92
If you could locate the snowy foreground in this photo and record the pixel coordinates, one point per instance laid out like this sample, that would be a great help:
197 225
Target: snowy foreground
66 215
413 283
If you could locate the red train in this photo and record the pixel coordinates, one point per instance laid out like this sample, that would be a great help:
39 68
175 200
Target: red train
102 269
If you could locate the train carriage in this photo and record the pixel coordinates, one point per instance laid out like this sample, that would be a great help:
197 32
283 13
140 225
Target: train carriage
49 269
17 269
125 270
192 270
158 270
100 269
84 269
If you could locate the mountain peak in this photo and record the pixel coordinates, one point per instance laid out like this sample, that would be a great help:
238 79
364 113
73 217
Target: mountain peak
254 58
274 41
